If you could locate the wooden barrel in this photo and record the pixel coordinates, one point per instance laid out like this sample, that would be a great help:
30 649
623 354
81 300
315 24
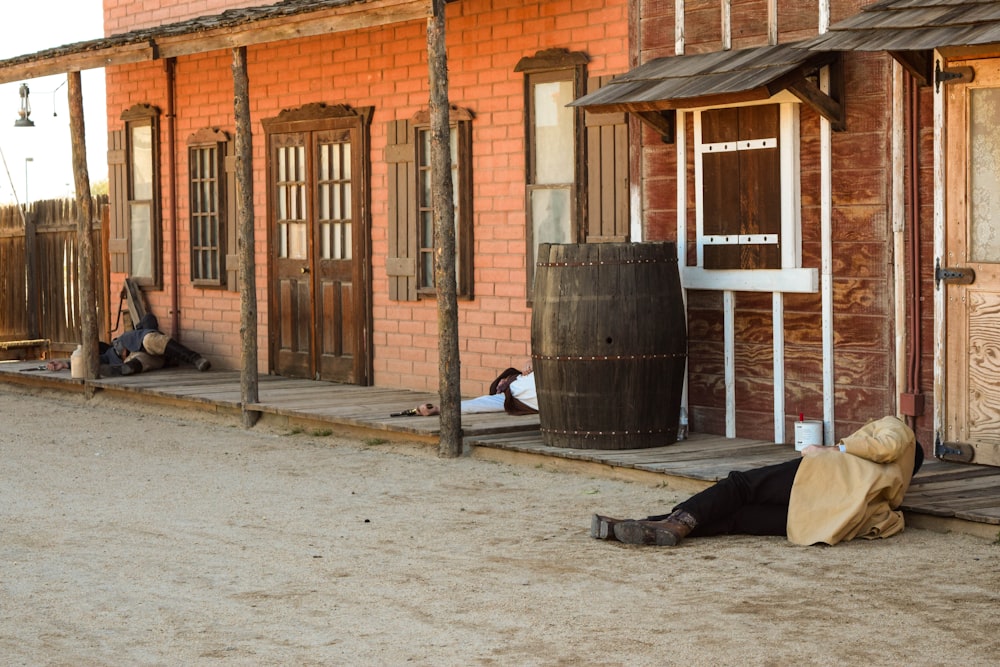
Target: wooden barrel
608 344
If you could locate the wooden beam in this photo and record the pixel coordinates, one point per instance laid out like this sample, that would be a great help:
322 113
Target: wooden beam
824 104
664 122
442 189
77 62
84 218
281 28
355 16
918 63
249 379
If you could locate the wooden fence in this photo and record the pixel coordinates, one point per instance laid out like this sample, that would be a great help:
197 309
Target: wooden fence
39 275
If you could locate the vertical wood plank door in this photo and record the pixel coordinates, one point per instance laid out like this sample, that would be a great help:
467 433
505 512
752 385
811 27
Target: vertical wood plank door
972 357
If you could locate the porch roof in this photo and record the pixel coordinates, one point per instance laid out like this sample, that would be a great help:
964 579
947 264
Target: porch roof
714 79
279 21
910 30
914 25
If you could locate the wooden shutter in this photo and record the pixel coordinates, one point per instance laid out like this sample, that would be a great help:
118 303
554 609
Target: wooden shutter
231 198
741 186
401 263
118 233
607 174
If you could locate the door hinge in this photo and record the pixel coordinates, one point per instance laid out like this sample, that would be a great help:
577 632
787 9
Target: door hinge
953 275
952 75
959 452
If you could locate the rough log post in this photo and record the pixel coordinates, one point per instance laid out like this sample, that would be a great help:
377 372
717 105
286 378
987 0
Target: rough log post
84 218
245 238
442 198
31 271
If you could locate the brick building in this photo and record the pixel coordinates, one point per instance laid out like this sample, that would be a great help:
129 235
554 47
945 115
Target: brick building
795 151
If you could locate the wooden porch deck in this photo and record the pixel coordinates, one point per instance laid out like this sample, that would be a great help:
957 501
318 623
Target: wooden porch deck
943 496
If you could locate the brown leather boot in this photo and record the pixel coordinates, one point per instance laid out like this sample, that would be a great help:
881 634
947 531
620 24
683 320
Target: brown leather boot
664 533
603 527
131 367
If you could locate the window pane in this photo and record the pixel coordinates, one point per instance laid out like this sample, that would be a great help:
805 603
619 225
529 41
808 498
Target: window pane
427 269
554 152
141 151
424 148
550 216
324 201
141 239
427 230
298 241
325 241
984 175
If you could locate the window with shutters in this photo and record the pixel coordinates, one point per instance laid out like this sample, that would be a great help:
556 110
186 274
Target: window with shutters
142 195
747 187
208 207
410 264
577 178
554 149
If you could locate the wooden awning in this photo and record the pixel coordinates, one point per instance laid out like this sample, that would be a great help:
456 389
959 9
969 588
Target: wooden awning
910 30
289 19
654 90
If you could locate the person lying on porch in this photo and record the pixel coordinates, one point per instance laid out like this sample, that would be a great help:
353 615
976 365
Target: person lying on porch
146 348
512 392
829 495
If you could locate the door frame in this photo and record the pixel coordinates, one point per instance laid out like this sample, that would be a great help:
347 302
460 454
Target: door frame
309 118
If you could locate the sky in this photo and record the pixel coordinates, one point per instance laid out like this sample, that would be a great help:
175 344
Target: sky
39 159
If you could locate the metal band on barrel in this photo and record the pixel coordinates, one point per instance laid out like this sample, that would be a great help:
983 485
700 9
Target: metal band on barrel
561 357
667 260
589 433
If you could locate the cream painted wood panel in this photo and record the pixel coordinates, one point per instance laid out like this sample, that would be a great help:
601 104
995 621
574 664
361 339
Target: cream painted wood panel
972 362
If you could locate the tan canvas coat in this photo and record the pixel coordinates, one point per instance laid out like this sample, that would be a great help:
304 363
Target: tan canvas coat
838 496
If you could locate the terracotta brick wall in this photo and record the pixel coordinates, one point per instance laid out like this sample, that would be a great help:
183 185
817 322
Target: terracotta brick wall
124 15
386 68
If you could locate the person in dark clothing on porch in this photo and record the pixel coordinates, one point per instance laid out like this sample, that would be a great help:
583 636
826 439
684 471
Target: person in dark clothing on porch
829 495
146 348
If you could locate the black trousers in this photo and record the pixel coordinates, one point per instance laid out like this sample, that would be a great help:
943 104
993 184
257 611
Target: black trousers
754 502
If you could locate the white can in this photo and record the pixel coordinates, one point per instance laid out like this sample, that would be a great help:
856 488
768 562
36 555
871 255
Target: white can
808 432
76 366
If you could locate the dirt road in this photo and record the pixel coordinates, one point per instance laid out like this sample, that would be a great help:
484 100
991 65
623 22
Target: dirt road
131 537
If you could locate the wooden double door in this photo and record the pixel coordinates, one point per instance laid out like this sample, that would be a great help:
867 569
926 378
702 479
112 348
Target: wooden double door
972 256
319 241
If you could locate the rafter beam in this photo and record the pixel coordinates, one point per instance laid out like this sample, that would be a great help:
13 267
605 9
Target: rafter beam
830 106
664 122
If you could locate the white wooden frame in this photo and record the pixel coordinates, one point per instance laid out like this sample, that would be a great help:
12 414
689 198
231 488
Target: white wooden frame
791 277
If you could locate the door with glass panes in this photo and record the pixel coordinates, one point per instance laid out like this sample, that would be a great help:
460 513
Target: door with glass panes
318 240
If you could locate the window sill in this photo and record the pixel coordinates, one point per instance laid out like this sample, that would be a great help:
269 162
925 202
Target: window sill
758 280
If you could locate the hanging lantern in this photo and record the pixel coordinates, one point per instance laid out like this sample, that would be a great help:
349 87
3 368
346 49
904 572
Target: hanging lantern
24 113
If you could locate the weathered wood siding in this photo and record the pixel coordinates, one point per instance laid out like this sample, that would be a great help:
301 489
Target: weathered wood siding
56 301
864 344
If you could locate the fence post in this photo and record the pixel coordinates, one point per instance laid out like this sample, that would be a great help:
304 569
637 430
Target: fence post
31 272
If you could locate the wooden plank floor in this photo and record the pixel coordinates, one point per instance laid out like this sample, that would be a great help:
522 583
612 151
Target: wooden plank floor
966 493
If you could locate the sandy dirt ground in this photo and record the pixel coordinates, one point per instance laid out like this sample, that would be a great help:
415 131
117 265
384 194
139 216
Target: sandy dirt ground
148 537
